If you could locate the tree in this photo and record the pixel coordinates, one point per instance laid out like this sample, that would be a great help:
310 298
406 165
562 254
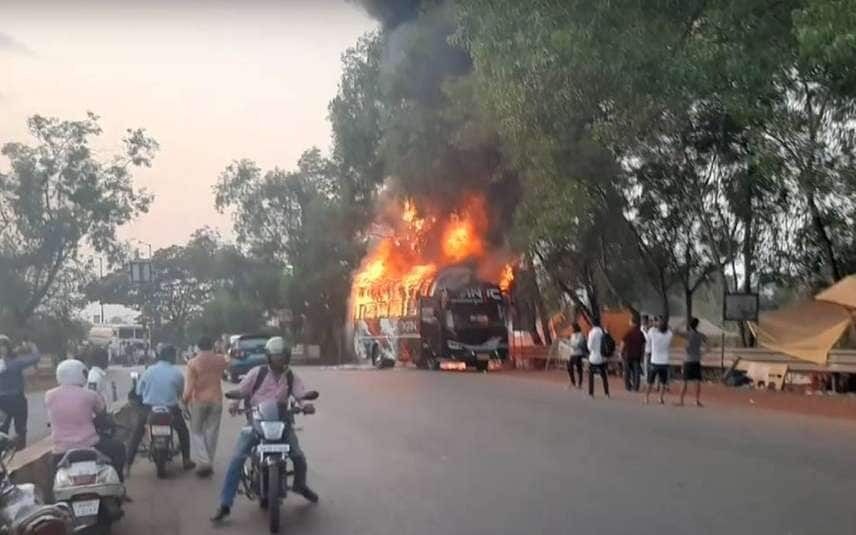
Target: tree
58 199
187 279
300 222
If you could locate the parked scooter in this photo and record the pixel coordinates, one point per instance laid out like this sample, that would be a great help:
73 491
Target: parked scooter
265 476
22 511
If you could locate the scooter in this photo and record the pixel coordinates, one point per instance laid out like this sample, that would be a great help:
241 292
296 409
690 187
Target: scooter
87 483
22 511
265 475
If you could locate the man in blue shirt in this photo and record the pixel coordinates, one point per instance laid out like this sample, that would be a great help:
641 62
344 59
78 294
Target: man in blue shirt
162 385
13 402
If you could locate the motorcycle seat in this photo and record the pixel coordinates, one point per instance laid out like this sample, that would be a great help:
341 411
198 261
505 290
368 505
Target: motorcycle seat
81 455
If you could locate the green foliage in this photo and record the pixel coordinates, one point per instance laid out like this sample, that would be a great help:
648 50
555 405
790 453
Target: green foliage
301 222
58 199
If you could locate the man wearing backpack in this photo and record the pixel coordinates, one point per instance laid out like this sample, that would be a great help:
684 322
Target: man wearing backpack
274 382
599 349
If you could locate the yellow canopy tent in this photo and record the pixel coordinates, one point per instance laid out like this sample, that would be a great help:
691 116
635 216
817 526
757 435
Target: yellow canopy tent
806 330
841 293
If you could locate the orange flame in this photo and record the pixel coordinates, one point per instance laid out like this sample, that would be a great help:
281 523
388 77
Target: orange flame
401 264
506 278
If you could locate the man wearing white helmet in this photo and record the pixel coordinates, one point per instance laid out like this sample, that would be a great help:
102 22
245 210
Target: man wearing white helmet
71 411
274 382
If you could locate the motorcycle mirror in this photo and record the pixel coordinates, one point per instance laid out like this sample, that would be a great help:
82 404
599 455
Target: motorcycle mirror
309 396
234 394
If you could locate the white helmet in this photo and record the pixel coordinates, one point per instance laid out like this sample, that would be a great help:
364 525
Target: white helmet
71 372
277 346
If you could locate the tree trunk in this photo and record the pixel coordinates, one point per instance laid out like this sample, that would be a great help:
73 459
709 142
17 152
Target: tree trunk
688 303
823 237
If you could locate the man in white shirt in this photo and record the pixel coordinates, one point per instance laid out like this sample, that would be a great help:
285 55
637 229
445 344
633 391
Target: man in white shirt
596 361
661 341
647 325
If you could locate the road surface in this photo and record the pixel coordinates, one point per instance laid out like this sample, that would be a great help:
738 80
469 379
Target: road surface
411 452
37 423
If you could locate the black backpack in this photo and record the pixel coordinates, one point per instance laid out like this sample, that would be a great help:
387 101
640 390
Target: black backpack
607 345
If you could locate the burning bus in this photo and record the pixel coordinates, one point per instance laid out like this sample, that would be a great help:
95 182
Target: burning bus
430 292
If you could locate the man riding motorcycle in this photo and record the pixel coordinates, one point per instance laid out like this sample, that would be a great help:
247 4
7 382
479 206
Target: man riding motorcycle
274 382
162 385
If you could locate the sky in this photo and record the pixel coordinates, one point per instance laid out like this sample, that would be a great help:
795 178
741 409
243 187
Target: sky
211 80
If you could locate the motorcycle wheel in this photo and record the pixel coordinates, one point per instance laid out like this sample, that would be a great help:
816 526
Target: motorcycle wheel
273 496
160 466
100 529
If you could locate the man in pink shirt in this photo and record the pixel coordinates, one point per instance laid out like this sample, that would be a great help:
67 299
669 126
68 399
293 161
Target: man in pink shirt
71 412
278 383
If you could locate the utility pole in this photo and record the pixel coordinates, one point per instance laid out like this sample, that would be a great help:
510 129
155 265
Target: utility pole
100 298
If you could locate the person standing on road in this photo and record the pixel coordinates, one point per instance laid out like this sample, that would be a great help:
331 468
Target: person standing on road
597 363
647 325
96 359
632 351
13 401
274 382
203 395
162 385
692 362
579 349
661 341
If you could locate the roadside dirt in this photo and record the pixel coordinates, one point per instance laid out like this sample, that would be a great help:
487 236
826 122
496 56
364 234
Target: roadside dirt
839 406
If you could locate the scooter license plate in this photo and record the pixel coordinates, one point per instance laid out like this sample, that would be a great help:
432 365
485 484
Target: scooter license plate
481 357
161 430
85 508
265 449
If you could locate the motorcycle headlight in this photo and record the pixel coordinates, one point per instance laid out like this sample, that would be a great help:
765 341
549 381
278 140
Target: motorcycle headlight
272 430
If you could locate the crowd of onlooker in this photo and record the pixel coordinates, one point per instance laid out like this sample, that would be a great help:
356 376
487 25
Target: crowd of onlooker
644 352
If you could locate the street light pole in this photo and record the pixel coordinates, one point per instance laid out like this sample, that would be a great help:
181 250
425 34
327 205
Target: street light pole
100 298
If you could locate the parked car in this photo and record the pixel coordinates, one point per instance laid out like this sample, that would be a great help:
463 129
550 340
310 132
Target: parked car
245 353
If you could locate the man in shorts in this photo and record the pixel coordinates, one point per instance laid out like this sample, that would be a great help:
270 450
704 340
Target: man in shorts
692 362
661 340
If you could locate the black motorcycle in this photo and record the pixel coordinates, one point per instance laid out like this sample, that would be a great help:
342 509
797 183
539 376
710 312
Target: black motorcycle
265 475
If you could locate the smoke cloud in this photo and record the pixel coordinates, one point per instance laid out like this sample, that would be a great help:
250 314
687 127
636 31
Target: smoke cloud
391 13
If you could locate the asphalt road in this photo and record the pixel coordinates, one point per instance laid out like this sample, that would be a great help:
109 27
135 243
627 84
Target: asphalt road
410 452
37 423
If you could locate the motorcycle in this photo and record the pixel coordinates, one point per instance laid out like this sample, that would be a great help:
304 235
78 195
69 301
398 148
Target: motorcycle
265 475
162 440
22 511
160 445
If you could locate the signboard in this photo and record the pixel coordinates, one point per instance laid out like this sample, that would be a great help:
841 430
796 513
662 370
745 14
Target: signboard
140 271
740 307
